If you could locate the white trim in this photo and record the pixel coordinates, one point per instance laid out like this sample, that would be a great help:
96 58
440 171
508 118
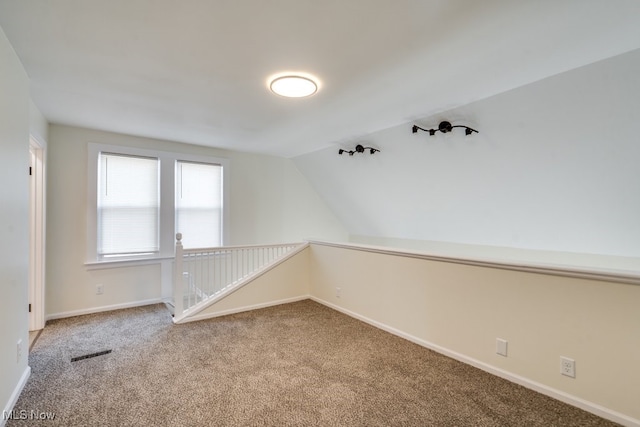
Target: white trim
119 263
243 309
617 276
223 248
591 407
74 313
34 277
37 232
15 395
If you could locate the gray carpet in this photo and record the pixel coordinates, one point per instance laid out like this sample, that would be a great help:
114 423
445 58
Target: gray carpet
298 364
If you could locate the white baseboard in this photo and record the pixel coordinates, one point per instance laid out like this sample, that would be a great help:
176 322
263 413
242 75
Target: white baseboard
103 308
15 395
204 316
525 382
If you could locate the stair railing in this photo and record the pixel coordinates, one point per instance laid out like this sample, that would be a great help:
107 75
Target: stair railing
203 273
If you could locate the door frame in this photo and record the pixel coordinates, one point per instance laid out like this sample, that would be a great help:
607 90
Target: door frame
37 232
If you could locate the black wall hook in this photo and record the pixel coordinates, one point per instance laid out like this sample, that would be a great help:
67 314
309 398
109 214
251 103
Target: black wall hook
444 127
359 149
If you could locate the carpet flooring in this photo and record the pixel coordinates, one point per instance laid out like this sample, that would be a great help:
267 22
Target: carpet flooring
298 364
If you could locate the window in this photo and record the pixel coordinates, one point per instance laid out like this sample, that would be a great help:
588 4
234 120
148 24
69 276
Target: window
199 204
128 205
138 199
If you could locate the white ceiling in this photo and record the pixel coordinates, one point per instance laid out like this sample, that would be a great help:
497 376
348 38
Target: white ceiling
195 71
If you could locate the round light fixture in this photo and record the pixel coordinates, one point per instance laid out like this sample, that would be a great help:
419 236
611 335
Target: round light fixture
293 86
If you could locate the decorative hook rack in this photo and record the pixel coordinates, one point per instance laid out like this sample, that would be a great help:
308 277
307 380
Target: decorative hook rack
445 127
359 149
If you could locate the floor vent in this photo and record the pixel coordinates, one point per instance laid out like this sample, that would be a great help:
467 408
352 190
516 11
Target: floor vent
88 356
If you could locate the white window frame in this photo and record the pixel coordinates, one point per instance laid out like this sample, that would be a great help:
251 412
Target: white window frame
168 161
149 199
178 180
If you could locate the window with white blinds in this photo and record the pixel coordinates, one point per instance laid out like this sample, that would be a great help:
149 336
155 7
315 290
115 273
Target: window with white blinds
128 205
199 204
138 199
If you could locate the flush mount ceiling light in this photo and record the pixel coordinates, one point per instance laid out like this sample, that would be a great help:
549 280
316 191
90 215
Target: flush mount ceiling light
293 85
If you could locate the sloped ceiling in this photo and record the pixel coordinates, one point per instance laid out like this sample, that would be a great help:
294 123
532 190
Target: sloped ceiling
554 167
195 71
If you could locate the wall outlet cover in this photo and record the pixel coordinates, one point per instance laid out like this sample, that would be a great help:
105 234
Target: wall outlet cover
501 347
567 367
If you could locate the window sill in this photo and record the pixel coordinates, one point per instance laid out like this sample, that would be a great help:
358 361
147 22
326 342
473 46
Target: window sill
129 262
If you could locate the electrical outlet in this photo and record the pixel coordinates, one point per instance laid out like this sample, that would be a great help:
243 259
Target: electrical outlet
99 289
338 292
567 367
19 351
501 347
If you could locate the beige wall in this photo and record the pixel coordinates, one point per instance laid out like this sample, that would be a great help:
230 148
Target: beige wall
14 214
463 309
270 203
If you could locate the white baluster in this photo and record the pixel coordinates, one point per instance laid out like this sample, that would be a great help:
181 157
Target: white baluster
178 281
